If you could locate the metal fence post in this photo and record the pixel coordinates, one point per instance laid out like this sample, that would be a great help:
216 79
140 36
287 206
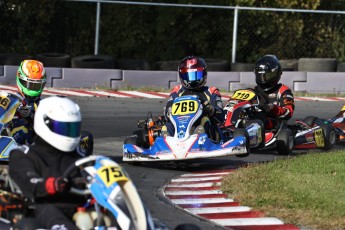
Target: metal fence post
98 14
234 36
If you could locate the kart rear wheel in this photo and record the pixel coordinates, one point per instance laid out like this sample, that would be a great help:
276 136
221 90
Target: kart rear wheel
310 120
241 132
285 142
138 138
329 135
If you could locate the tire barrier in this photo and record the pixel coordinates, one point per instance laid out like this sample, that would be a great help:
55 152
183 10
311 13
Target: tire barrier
54 59
167 65
93 62
132 64
289 64
217 65
242 67
317 65
341 67
13 59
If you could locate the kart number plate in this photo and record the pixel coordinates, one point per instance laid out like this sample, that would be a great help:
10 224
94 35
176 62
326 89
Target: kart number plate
111 175
184 107
4 102
319 140
245 95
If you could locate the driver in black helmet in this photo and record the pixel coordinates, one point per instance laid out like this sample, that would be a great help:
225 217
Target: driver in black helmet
277 100
192 73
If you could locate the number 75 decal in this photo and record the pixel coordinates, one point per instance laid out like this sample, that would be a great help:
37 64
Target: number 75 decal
111 174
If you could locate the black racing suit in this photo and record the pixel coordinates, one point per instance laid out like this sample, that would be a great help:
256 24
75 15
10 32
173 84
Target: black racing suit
30 169
281 104
21 127
205 94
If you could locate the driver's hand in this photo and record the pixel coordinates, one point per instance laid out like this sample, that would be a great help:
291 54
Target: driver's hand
267 107
57 185
208 108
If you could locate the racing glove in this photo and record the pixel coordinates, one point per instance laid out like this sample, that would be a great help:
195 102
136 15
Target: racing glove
267 108
55 185
25 110
209 110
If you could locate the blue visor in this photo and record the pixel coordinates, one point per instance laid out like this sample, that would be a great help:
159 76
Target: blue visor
68 129
192 76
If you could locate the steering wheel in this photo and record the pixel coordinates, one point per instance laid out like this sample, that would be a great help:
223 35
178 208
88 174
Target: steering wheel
79 165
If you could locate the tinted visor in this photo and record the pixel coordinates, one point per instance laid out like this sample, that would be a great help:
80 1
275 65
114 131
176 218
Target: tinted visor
32 84
68 129
264 77
192 76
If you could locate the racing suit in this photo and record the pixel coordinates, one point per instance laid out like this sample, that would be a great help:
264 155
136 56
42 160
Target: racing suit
21 127
278 103
209 96
32 169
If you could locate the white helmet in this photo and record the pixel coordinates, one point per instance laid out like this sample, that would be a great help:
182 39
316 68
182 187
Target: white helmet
58 122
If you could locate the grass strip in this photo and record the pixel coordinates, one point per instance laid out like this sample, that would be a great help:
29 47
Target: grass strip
307 190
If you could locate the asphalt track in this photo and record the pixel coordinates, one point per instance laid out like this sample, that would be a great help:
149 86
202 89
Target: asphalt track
112 119
166 187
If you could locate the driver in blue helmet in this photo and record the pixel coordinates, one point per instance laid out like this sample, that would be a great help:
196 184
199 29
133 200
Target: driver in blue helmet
192 72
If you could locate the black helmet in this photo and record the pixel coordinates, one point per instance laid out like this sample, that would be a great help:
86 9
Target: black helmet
192 72
267 72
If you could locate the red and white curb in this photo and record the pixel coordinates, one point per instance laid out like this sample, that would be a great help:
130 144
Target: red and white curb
200 194
134 94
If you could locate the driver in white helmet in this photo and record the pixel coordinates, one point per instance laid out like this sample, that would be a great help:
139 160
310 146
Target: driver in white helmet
38 169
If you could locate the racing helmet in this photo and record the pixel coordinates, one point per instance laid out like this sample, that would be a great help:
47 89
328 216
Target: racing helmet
267 72
31 79
192 72
58 121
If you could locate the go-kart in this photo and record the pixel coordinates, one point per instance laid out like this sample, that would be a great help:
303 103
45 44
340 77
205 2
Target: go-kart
113 203
8 106
187 142
243 109
338 123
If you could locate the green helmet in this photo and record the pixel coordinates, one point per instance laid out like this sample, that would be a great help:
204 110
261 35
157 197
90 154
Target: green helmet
31 78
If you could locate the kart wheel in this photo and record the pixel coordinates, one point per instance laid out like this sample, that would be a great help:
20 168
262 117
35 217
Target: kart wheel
131 140
243 133
329 135
285 142
142 138
85 146
310 120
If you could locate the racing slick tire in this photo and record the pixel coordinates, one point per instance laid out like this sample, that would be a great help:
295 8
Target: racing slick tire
310 120
138 138
329 135
285 142
240 132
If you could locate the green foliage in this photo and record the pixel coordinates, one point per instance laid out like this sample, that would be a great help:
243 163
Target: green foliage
157 33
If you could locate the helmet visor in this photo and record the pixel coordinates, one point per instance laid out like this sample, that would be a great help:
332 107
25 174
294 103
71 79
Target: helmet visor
32 84
192 76
68 129
264 77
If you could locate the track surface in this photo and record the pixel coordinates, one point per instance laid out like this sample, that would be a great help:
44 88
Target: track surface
110 118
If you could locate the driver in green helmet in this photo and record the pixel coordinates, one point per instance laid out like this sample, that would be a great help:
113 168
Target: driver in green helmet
31 79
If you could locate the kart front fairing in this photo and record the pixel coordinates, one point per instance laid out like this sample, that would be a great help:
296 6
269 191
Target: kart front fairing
186 110
196 146
8 107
